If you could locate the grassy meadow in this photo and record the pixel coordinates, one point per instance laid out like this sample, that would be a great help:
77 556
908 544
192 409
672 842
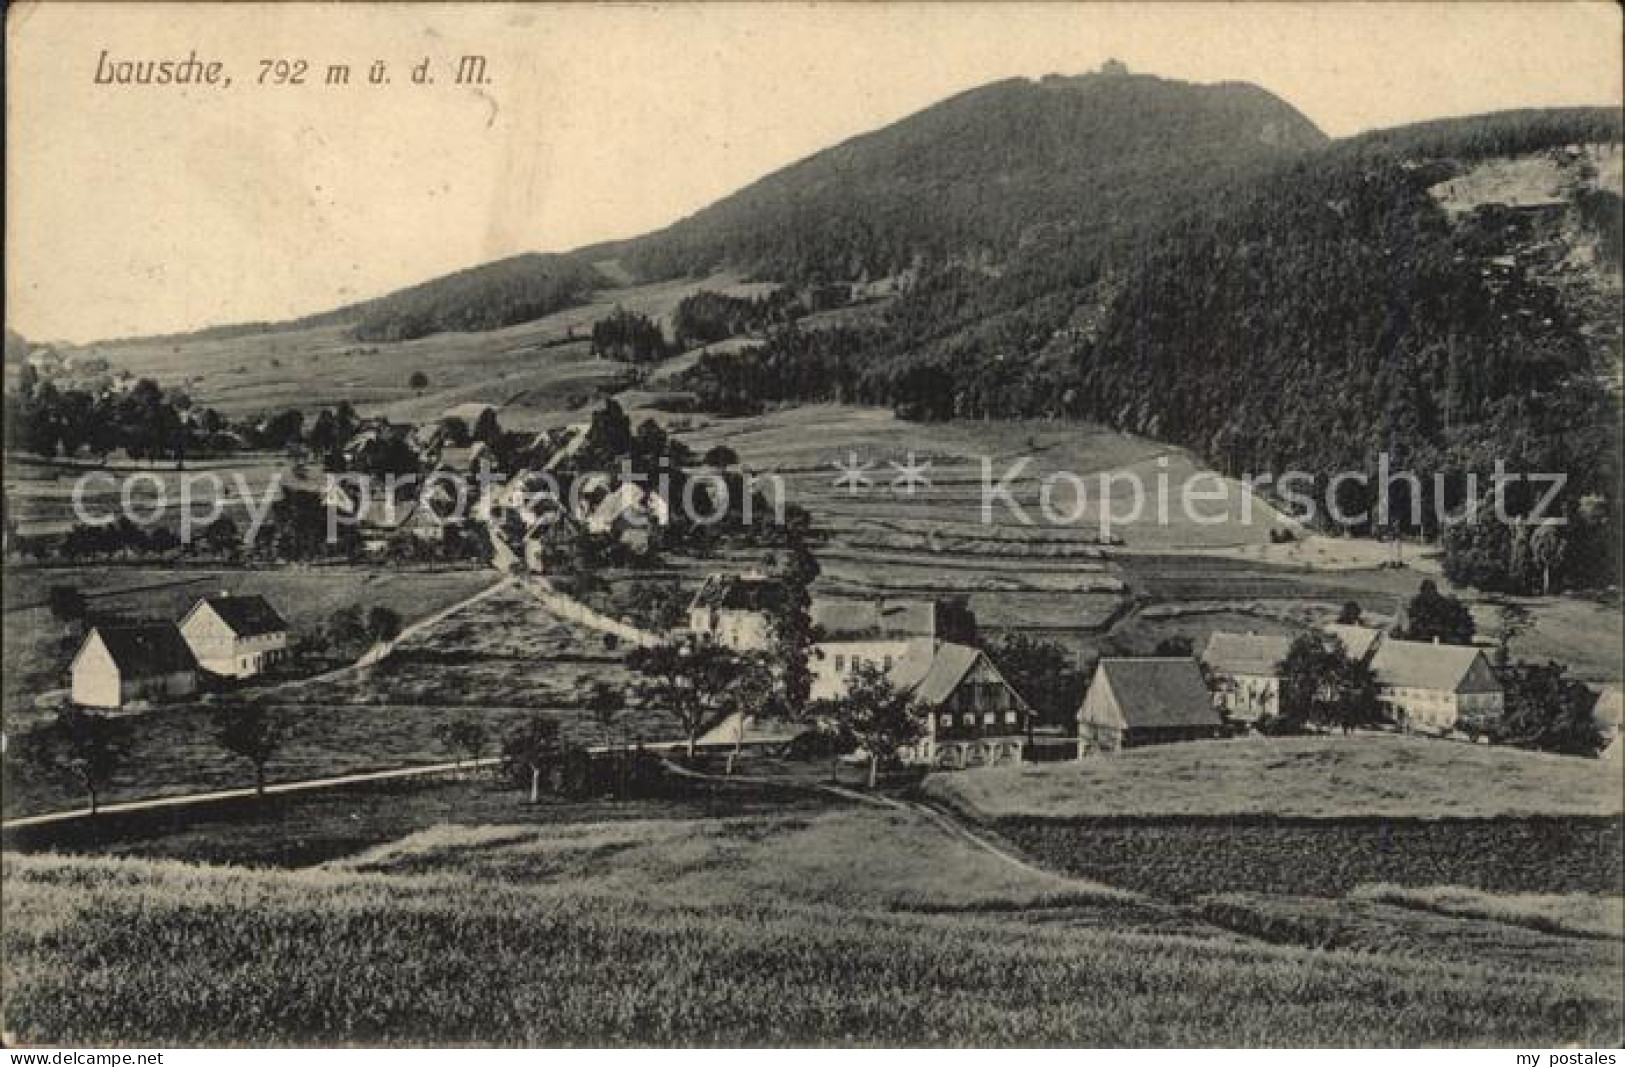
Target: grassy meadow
850 926
1364 776
534 370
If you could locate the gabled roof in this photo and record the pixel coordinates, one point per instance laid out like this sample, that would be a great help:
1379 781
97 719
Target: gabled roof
248 616
1158 692
849 619
736 592
1424 665
468 413
1257 654
930 671
144 650
1358 641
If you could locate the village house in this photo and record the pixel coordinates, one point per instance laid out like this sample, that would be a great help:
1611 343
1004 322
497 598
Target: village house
117 666
235 636
1133 702
1425 687
878 632
468 461
1244 668
736 611
1245 673
970 715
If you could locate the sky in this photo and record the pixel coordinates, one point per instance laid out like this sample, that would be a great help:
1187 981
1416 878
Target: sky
148 209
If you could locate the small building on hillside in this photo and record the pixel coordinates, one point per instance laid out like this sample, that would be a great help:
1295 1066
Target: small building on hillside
736 610
469 461
1133 702
235 636
469 414
1245 670
1425 687
970 715
117 666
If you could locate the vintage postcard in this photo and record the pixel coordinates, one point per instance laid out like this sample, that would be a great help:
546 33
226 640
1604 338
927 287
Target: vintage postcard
760 524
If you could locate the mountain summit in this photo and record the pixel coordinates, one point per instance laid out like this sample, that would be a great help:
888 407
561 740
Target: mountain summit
984 172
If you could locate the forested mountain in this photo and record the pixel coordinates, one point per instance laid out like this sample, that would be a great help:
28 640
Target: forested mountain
1307 319
1008 166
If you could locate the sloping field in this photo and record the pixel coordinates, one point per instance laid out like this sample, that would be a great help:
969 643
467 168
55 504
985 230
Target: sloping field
1367 775
117 952
535 366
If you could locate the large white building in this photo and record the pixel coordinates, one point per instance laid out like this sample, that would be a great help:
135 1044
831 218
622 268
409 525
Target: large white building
736 611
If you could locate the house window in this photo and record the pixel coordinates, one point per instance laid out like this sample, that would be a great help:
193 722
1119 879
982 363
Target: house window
840 664
1010 718
990 719
888 662
947 720
967 719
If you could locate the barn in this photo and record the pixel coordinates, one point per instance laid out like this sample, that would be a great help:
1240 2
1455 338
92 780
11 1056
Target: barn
120 665
1149 701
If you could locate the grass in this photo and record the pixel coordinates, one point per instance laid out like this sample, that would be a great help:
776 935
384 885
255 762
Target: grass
852 857
533 368
121 952
1368 775
303 829
1578 914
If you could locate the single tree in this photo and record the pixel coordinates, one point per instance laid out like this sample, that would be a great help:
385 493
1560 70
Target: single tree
347 630
532 752
1043 673
720 456
1178 646
1547 710
1351 614
604 703
1515 621
875 713
68 605
1321 684
383 624
465 738
419 381
83 748
1434 616
694 683
249 733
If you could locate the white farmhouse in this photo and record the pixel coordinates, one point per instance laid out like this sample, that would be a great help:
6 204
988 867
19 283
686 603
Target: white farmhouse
121 665
1426 687
235 636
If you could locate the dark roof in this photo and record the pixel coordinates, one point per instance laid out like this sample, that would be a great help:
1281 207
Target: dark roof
248 616
732 592
874 618
1159 692
146 650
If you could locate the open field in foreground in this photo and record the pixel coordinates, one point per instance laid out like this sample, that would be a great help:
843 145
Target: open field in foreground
845 926
1364 776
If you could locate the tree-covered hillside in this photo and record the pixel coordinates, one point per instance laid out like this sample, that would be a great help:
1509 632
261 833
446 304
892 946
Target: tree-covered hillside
1309 319
984 175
